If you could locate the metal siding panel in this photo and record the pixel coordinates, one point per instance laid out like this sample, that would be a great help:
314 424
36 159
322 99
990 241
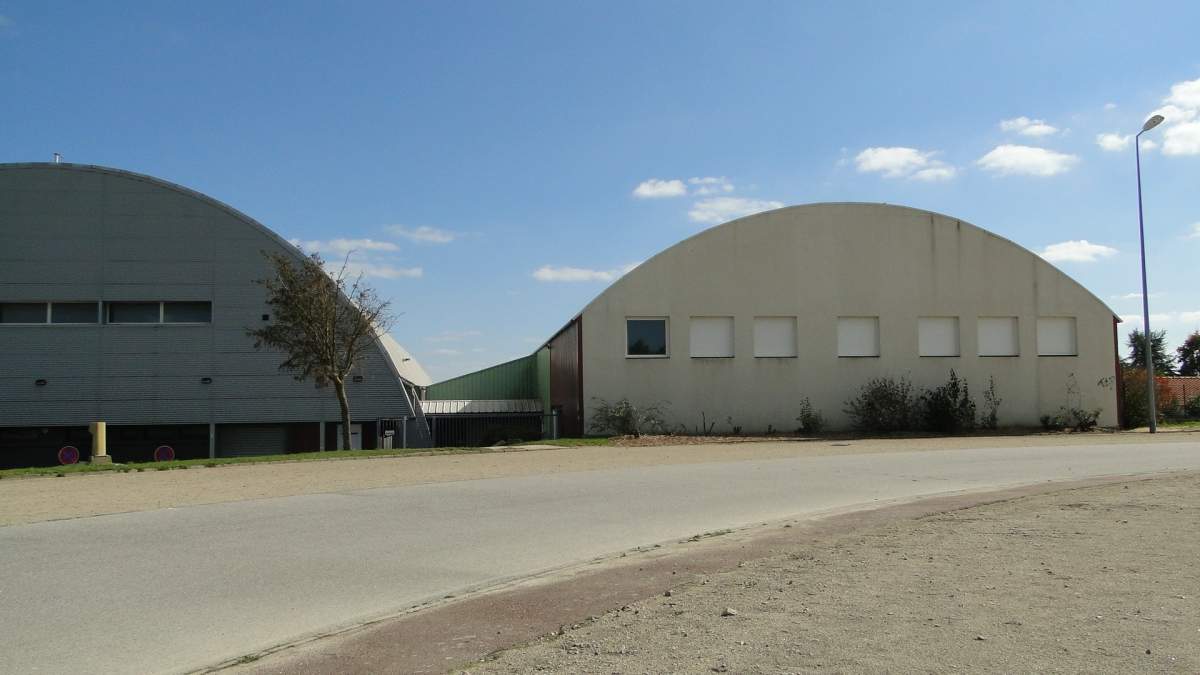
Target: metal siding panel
250 440
192 249
565 379
512 380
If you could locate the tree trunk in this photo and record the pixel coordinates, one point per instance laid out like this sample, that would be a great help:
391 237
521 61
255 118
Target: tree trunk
339 386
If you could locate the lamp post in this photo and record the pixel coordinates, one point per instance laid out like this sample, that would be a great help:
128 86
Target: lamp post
1137 153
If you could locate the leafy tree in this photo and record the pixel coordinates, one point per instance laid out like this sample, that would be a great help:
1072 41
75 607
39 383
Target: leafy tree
1189 355
324 322
1164 364
1135 401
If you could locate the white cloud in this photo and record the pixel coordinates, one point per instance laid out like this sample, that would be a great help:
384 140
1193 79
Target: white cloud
935 173
1148 144
710 185
1182 139
343 247
1110 106
892 162
564 273
1195 233
717 210
1026 160
1133 296
1188 317
1027 127
656 188
446 352
1185 94
377 270
1113 142
1077 251
423 234
1181 130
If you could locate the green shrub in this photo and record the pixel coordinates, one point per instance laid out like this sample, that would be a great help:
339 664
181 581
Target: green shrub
991 402
1191 409
625 419
1135 403
811 421
948 409
883 404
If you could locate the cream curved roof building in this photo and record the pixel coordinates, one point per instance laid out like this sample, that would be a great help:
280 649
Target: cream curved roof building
741 322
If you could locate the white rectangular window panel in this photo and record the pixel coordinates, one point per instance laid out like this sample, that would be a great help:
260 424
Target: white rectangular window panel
998 336
858 336
712 336
1056 336
775 336
937 336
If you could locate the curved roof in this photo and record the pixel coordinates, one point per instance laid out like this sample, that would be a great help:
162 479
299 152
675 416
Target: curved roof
402 363
752 220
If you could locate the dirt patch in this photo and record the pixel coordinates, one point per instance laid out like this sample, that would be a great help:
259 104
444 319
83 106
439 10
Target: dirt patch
28 500
1100 579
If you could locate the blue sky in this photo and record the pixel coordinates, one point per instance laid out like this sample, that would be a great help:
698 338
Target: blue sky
496 165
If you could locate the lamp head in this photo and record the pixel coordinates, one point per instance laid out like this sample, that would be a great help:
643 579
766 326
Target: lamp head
1152 122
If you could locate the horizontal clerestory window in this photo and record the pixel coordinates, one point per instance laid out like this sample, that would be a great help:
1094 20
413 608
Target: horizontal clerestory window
22 312
158 312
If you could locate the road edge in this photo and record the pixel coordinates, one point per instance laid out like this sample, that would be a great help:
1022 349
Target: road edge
443 634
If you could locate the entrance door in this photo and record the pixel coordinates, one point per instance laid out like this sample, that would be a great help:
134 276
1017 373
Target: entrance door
355 437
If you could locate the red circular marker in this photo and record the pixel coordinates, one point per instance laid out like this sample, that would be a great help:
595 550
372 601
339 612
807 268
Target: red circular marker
164 453
68 454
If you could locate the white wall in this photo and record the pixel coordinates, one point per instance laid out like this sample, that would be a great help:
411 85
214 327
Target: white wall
825 261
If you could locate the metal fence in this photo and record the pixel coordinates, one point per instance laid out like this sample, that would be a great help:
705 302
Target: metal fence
470 429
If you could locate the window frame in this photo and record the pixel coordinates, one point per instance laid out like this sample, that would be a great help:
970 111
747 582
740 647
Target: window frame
108 304
1016 324
732 335
795 321
878 337
162 312
1074 335
96 307
666 337
45 313
957 337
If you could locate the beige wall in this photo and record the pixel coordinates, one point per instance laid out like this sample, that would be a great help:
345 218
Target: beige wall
822 261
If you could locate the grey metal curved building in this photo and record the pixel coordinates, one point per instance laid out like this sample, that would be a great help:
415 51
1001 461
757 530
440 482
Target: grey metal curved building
126 299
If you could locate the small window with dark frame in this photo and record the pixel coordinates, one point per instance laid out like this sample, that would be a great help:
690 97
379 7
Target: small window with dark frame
187 312
646 337
74 312
22 312
133 312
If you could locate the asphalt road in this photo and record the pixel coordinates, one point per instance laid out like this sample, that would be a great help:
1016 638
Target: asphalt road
176 590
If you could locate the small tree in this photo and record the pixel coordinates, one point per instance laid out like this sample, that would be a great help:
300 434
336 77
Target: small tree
323 322
1189 355
1164 364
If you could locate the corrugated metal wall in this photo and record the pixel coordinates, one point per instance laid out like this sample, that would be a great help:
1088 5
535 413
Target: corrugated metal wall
566 379
244 440
79 233
514 379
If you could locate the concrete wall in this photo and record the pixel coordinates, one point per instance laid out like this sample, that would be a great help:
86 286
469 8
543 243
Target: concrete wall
70 232
823 261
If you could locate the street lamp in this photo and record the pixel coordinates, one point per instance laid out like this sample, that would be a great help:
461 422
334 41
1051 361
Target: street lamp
1137 152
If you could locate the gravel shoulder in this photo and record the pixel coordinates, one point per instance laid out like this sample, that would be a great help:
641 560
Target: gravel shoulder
1096 579
29 500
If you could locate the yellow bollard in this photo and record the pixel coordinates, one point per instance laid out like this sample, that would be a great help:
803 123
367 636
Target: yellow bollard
99 443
